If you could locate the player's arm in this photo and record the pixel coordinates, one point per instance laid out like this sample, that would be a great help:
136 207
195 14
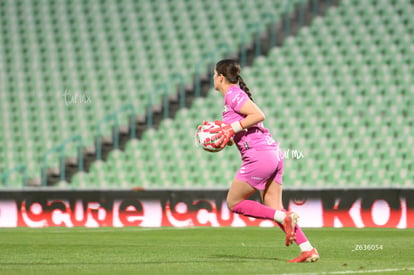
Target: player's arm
253 114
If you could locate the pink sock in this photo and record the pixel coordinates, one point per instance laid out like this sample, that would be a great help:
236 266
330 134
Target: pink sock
254 209
257 210
300 236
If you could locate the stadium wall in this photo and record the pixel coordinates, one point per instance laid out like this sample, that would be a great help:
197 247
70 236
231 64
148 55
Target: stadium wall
393 208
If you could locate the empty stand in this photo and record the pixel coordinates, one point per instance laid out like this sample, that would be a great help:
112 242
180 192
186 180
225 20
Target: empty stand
340 92
338 98
66 65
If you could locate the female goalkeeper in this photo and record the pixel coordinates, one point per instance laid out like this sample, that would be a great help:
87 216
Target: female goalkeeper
262 166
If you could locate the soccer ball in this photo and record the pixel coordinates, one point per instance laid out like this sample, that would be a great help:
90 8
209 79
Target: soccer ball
205 138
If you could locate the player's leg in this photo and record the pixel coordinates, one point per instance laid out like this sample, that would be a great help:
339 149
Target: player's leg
272 197
237 201
252 176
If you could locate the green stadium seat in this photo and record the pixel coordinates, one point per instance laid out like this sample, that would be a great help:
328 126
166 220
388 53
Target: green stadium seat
331 90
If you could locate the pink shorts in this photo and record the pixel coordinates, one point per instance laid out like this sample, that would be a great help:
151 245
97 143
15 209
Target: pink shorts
258 167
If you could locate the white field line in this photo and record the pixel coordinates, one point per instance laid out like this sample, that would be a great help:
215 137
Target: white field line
349 271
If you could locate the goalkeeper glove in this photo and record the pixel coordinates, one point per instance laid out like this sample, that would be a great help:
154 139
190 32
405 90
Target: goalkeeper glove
204 123
225 132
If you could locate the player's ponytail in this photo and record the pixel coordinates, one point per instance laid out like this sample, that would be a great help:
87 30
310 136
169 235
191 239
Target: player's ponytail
244 87
230 69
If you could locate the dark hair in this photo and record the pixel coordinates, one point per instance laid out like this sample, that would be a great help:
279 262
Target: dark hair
230 69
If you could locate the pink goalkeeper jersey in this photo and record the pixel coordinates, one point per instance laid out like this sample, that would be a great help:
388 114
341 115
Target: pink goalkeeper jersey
256 136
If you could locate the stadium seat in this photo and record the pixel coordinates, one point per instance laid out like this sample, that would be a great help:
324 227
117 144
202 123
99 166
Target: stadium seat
65 66
340 91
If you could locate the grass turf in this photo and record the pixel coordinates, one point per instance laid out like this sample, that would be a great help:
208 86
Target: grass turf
202 250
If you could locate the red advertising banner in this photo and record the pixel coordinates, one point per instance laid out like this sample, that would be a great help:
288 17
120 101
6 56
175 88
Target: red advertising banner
317 208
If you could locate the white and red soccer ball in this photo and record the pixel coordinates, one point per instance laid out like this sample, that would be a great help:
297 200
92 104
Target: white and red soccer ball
205 138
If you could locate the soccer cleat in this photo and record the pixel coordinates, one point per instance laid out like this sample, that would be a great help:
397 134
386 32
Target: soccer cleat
290 223
306 257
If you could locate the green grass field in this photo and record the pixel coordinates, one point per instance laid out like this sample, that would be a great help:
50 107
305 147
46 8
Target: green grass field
203 250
